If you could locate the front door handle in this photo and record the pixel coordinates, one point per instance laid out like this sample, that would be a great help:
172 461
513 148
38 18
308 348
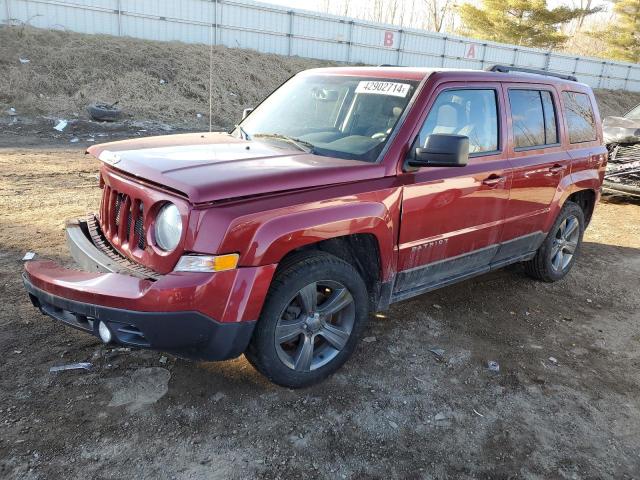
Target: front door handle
493 180
556 169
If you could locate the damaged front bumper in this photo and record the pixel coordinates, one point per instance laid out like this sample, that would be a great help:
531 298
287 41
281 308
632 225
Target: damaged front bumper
206 316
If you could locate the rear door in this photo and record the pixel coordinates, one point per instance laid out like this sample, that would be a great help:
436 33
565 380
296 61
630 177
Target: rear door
539 161
452 216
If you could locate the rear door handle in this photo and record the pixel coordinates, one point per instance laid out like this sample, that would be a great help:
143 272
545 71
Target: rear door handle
557 169
493 180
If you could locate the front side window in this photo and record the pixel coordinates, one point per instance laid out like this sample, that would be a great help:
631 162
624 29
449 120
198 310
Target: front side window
580 118
533 118
468 112
332 115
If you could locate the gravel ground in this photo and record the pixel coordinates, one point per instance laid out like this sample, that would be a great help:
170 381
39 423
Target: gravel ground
563 405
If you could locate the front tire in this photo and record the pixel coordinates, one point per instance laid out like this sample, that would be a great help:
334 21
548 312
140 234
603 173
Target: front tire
312 319
559 251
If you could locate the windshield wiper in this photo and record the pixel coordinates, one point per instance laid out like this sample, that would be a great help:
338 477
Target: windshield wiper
306 147
243 132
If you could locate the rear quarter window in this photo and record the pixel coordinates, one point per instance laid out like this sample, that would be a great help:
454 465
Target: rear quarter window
580 118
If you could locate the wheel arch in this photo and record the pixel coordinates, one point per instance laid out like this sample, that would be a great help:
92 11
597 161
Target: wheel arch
586 199
360 250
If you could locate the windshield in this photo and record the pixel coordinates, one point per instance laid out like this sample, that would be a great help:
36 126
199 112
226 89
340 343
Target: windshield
337 116
634 114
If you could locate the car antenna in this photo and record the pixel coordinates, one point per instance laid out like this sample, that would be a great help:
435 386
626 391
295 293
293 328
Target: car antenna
210 72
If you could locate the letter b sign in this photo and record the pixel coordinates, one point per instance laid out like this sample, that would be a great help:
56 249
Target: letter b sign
388 39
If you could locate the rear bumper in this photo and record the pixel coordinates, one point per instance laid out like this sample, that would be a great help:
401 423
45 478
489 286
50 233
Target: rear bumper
185 334
207 316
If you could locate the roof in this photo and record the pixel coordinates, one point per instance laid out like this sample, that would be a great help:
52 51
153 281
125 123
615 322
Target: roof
419 73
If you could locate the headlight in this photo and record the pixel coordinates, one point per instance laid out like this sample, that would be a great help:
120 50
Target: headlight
168 227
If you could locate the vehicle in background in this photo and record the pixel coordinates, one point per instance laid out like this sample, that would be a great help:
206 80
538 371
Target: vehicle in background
622 137
346 190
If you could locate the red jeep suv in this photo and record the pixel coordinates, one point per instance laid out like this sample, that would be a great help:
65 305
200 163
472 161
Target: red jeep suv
346 190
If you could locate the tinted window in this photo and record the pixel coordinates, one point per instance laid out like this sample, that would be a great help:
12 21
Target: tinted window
472 113
533 118
580 119
550 126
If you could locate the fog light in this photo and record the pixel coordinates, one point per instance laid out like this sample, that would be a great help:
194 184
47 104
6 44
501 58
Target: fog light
104 332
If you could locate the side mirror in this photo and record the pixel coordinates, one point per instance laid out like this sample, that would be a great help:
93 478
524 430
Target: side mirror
246 112
442 150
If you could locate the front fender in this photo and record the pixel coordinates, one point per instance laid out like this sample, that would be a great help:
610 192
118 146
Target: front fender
266 237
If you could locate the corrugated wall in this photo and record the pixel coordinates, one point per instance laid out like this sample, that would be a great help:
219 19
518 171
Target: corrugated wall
274 29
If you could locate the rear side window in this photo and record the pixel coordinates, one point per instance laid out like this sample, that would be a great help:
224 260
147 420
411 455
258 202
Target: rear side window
533 118
468 112
580 118
550 127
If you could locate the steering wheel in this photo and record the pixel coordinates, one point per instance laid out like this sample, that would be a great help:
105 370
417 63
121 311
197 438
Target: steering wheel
381 135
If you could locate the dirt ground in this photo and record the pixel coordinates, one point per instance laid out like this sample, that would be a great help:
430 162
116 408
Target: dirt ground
396 410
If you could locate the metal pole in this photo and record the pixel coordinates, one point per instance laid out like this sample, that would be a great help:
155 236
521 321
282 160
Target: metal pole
547 61
444 51
350 41
210 77
8 11
514 63
401 35
119 18
626 80
290 34
604 64
484 54
215 21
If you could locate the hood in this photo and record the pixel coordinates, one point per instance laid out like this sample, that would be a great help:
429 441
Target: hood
215 166
621 130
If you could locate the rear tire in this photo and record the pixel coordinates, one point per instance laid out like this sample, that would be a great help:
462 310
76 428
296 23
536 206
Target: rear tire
561 247
312 319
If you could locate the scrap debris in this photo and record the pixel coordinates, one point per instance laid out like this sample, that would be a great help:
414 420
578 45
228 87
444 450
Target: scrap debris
71 366
623 168
61 125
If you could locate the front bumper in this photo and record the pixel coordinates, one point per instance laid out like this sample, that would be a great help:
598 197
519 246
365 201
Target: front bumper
207 316
185 334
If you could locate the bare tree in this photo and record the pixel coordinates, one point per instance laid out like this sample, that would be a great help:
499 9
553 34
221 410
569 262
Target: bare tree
438 12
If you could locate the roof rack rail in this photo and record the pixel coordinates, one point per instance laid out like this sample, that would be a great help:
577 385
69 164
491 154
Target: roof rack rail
387 65
507 69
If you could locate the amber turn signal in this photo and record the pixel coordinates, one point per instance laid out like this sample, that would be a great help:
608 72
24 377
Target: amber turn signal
207 263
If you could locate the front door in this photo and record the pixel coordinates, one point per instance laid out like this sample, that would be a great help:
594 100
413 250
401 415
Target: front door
452 216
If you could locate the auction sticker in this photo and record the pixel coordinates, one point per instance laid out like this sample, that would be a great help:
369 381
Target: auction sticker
383 88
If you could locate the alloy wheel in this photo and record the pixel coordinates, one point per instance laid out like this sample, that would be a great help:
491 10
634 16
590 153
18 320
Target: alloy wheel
315 326
565 243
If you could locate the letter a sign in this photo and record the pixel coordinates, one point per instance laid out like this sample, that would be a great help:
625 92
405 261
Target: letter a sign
470 51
